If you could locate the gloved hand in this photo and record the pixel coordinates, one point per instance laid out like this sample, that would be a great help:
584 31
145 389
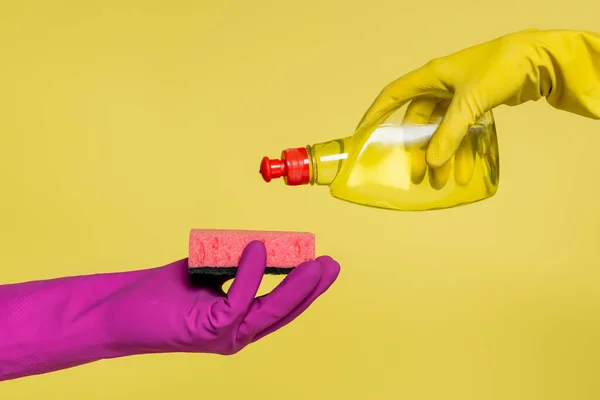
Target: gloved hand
62 323
561 66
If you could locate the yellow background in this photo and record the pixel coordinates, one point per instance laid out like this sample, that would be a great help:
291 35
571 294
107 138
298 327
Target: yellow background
124 124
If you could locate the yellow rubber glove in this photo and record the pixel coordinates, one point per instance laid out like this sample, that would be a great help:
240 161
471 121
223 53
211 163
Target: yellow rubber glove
561 66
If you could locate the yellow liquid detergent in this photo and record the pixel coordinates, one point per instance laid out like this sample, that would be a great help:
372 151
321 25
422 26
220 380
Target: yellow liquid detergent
386 167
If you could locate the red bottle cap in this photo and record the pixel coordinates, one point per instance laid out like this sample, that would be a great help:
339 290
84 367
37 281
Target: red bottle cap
294 167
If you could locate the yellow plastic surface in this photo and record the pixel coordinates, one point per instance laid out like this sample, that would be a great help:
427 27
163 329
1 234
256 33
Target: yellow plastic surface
386 167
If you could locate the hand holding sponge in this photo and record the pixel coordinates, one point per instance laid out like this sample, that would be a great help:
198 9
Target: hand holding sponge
160 310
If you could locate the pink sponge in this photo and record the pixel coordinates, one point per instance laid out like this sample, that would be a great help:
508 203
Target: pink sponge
214 251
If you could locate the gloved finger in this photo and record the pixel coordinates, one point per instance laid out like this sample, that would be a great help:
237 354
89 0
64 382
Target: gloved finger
437 116
445 141
418 112
420 82
490 163
331 270
438 176
247 281
268 309
492 150
464 160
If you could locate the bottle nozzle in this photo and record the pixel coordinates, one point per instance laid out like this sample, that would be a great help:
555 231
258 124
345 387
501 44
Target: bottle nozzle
272 169
294 167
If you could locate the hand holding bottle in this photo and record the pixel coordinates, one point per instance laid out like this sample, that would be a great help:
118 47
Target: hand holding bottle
561 66
384 164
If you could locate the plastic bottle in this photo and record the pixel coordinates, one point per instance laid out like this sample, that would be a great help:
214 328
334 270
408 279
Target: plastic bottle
385 167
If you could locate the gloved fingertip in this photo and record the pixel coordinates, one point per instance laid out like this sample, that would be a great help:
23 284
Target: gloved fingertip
248 278
312 270
328 263
436 157
324 259
255 248
331 271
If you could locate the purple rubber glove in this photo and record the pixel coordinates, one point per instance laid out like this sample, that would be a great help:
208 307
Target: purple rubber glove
50 325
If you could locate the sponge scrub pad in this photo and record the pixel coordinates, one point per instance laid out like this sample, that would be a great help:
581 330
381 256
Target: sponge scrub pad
218 252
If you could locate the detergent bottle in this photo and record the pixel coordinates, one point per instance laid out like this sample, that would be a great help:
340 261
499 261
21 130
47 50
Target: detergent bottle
384 167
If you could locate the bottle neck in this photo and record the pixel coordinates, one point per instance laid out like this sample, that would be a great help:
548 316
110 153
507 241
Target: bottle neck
326 160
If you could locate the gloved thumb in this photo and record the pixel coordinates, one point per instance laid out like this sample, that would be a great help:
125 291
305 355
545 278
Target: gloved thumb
417 83
248 278
461 114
